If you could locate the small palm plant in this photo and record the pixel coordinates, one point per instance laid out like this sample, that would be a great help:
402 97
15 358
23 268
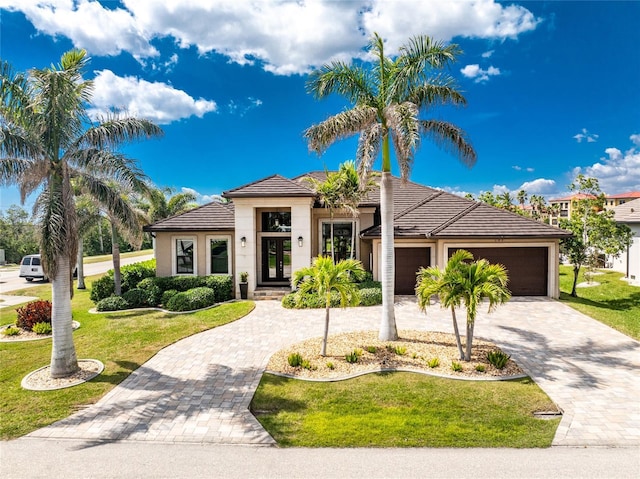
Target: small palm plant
325 276
468 283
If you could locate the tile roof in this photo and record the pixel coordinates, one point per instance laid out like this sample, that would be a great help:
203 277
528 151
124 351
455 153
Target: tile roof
630 194
628 212
212 216
444 215
274 185
576 196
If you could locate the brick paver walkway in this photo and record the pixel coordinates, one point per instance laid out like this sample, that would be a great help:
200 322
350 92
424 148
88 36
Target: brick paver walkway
199 389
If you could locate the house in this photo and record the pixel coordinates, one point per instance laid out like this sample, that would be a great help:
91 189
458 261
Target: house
611 201
274 226
562 207
628 262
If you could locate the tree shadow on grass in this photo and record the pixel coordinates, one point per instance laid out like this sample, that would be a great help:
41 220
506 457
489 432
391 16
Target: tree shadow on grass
617 304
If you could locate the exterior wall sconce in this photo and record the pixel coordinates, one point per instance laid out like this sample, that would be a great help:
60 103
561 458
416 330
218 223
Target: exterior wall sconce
300 241
243 241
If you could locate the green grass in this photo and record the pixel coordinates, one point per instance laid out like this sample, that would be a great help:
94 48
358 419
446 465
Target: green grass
108 257
614 302
403 410
122 341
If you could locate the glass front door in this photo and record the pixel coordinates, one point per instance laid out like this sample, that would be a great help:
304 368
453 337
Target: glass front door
276 259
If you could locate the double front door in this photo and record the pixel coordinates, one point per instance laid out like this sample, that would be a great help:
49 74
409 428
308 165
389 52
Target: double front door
276 259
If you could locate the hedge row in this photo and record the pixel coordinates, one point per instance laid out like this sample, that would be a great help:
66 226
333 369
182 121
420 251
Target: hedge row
370 295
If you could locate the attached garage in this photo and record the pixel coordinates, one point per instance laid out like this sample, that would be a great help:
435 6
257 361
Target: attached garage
408 262
527 267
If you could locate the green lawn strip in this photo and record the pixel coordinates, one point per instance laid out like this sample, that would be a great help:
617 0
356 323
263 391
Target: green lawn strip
122 341
403 410
614 302
109 257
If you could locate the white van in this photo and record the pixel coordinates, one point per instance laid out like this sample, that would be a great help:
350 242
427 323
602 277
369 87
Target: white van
31 268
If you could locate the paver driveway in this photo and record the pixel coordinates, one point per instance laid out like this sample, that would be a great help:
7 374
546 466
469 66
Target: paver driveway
199 389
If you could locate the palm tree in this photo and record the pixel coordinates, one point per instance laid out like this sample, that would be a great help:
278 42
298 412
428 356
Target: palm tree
329 196
163 203
477 281
45 142
388 99
444 283
325 276
505 201
88 215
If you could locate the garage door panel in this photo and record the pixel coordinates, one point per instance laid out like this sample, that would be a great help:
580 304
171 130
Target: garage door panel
408 262
527 267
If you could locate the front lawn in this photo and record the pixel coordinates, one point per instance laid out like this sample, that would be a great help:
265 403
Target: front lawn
404 410
122 341
614 302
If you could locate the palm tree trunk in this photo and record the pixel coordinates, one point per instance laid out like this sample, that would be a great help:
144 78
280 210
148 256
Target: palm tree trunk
457 331
470 324
353 239
81 284
326 327
100 235
388 331
576 272
63 352
115 253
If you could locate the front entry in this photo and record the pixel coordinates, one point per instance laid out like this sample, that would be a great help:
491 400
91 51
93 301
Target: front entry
276 259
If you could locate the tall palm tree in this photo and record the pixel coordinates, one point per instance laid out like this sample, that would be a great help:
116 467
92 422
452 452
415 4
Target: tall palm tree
325 276
388 99
522 195
446 285
46 140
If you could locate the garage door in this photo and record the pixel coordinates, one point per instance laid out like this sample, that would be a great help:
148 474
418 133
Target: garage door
527 267
408 262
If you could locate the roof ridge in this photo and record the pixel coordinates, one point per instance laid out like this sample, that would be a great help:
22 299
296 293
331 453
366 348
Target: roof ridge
418 204
455 218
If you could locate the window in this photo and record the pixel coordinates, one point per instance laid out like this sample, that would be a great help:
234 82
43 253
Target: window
218 255
342 235
276 222
184 256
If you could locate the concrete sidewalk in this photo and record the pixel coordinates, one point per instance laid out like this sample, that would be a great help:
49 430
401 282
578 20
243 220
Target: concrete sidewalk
199 389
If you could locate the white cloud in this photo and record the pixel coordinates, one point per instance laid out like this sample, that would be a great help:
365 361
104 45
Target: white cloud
287 37
241 109
500 189
517 168
585 135
618 172
154 101
478 74
530 170
540 186
456 191
635 139
487 54
202 199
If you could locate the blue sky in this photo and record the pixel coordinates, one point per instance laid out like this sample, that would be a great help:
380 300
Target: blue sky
553 88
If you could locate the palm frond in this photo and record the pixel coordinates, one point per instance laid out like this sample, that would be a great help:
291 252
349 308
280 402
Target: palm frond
17 143
33 177
402 120
450 138
12 169
112 132
439 91
348 81
337 127
369 144
108 164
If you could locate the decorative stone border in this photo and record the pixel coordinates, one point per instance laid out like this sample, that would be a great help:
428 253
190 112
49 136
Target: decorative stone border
39 380
17 339
400 370
132 310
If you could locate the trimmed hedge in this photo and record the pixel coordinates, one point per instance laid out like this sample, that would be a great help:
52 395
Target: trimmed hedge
130 274
370 295
112 303
196 298
136 298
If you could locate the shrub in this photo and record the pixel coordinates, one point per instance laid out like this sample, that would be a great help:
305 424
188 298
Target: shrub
102 288
370 296
433 363
456 366
11 331
167 295
371 349
112 303
132 274
221 285
185 283
497 358
480 368
400 350
32 313
136 298
153 289
196 298
306 364
295 360
330 365
42 328
353 356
